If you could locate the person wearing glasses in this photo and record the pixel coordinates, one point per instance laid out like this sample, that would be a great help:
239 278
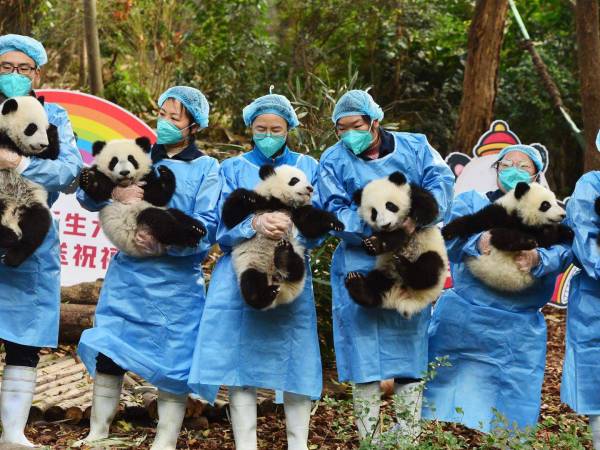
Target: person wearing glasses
244 348
30 293
495 341
374 344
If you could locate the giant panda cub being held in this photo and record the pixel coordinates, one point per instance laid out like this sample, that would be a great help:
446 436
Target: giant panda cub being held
125 162
410 269
271 272
524 218
25 218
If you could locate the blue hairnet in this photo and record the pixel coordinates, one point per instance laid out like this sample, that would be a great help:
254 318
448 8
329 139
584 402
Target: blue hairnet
356 103
271 104
194 101
25 44
530 151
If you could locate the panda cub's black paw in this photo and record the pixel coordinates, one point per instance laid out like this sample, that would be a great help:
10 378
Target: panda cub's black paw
356 283
374 246
336 225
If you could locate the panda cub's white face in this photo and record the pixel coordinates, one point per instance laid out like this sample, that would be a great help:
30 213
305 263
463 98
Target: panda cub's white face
385 205
535 204
123 161
286 183
25 122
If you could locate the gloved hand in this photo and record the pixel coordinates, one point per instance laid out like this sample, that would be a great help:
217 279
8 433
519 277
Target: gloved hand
8 159
128 195
527 260
483 244
272 225
147 243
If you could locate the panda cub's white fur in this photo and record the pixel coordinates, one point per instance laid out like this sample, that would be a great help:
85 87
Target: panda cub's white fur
498 269
258 252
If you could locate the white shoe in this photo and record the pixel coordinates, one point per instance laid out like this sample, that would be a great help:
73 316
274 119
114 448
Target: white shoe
297 420
18 386
595 426
408 404
242 408
171 411
105 402
367 401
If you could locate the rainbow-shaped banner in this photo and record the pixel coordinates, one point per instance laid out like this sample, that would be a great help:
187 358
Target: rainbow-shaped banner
96 119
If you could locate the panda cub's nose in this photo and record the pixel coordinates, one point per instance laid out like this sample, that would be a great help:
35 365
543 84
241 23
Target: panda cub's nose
386 226
309 188
124 172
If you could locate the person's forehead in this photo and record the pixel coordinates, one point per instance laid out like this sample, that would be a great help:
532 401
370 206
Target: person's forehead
17 57
172 105
269 120
351 120
517 156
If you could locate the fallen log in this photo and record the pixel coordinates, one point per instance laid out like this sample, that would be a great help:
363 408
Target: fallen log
74 319
82 293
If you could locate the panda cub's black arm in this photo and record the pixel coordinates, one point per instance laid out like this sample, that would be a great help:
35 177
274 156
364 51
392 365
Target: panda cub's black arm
95 184
313 222
550 235
51 152
385 241
158 190
424 208
491 216
240 204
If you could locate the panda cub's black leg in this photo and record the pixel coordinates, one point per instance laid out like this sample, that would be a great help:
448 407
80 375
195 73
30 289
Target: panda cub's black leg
368 290
158 190
187 230
256 290
95 184
510 240
554 234
8 237
239 205
423 273
313 222
288 261
384 242
35 221
172 227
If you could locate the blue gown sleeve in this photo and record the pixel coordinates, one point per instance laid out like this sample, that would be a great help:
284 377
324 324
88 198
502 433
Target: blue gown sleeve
335 199
205 210
585 223
88 203
459 248
437 178
553 260
229 238
56 175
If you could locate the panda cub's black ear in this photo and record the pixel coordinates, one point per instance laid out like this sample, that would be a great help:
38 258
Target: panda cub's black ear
144 143
97 147
521 189
357 196
41 99
397 178
9 106
266 171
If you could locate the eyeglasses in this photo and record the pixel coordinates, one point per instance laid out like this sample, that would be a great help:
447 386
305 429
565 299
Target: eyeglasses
22 69
506 163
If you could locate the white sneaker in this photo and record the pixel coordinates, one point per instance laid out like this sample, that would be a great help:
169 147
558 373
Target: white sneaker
242 408
171 411
297 420
18 386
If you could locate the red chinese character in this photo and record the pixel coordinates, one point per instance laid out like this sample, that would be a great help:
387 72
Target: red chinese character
107 254
74 223
96 228
63 254
85 256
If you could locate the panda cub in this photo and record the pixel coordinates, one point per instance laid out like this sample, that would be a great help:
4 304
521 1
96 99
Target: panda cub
410 270
527 217
597 209
269 272
24 214
126 162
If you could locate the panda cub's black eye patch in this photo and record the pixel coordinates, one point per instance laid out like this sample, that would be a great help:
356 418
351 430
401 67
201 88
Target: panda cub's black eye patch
113 163
294 181
31 129
391 207
373 214
545 206
133 161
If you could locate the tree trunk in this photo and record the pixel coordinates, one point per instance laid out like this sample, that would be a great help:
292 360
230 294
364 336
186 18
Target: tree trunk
92 46
481 73
588 55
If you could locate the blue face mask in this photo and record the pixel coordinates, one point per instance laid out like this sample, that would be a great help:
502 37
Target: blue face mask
268 144
357 140
15 85
168 133
510 177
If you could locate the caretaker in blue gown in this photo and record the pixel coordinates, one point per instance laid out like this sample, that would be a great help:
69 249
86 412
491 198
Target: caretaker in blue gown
581 371
30 293
374 344
495 341
239 346
150 308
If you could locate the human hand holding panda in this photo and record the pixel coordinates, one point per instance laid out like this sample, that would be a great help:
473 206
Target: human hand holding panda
126 162
272 272
410 269
25 218
524 219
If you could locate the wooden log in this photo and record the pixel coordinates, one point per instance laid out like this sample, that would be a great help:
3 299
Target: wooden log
216 412
73 320
150 404
71 410
196 423
60 394
82 293
64 372
134 410
67 379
